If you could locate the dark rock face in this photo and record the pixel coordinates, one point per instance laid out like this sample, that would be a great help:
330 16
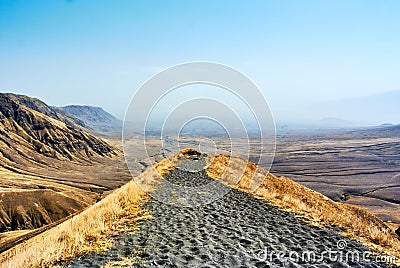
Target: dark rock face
398 231
30 122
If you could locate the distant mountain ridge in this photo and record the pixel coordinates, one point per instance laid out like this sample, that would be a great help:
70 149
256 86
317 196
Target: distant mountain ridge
382 131
95 118
32 124
41 107
367 110
336 122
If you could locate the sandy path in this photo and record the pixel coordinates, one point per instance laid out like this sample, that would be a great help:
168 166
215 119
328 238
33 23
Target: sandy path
235 231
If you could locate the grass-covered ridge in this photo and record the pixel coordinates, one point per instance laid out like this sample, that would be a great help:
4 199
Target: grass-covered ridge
294 197
89 230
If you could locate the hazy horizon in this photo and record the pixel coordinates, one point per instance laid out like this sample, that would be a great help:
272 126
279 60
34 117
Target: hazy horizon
311 59
387 112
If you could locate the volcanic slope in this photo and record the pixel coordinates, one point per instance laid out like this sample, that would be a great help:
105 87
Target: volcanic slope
237 230
50 166
254 213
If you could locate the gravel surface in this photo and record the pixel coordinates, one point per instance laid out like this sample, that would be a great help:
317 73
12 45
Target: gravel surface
236 230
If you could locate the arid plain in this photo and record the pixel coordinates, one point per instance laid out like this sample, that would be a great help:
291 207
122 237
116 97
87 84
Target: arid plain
360 167
56 164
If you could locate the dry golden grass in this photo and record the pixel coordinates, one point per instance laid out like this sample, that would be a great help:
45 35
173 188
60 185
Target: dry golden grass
83 233
125 262
393 226
89 230
4 237
165 166
292 196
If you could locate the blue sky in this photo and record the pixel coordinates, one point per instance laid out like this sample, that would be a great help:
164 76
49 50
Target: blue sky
297 52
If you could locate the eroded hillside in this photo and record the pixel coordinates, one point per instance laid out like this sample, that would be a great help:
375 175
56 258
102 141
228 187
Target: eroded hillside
50 165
